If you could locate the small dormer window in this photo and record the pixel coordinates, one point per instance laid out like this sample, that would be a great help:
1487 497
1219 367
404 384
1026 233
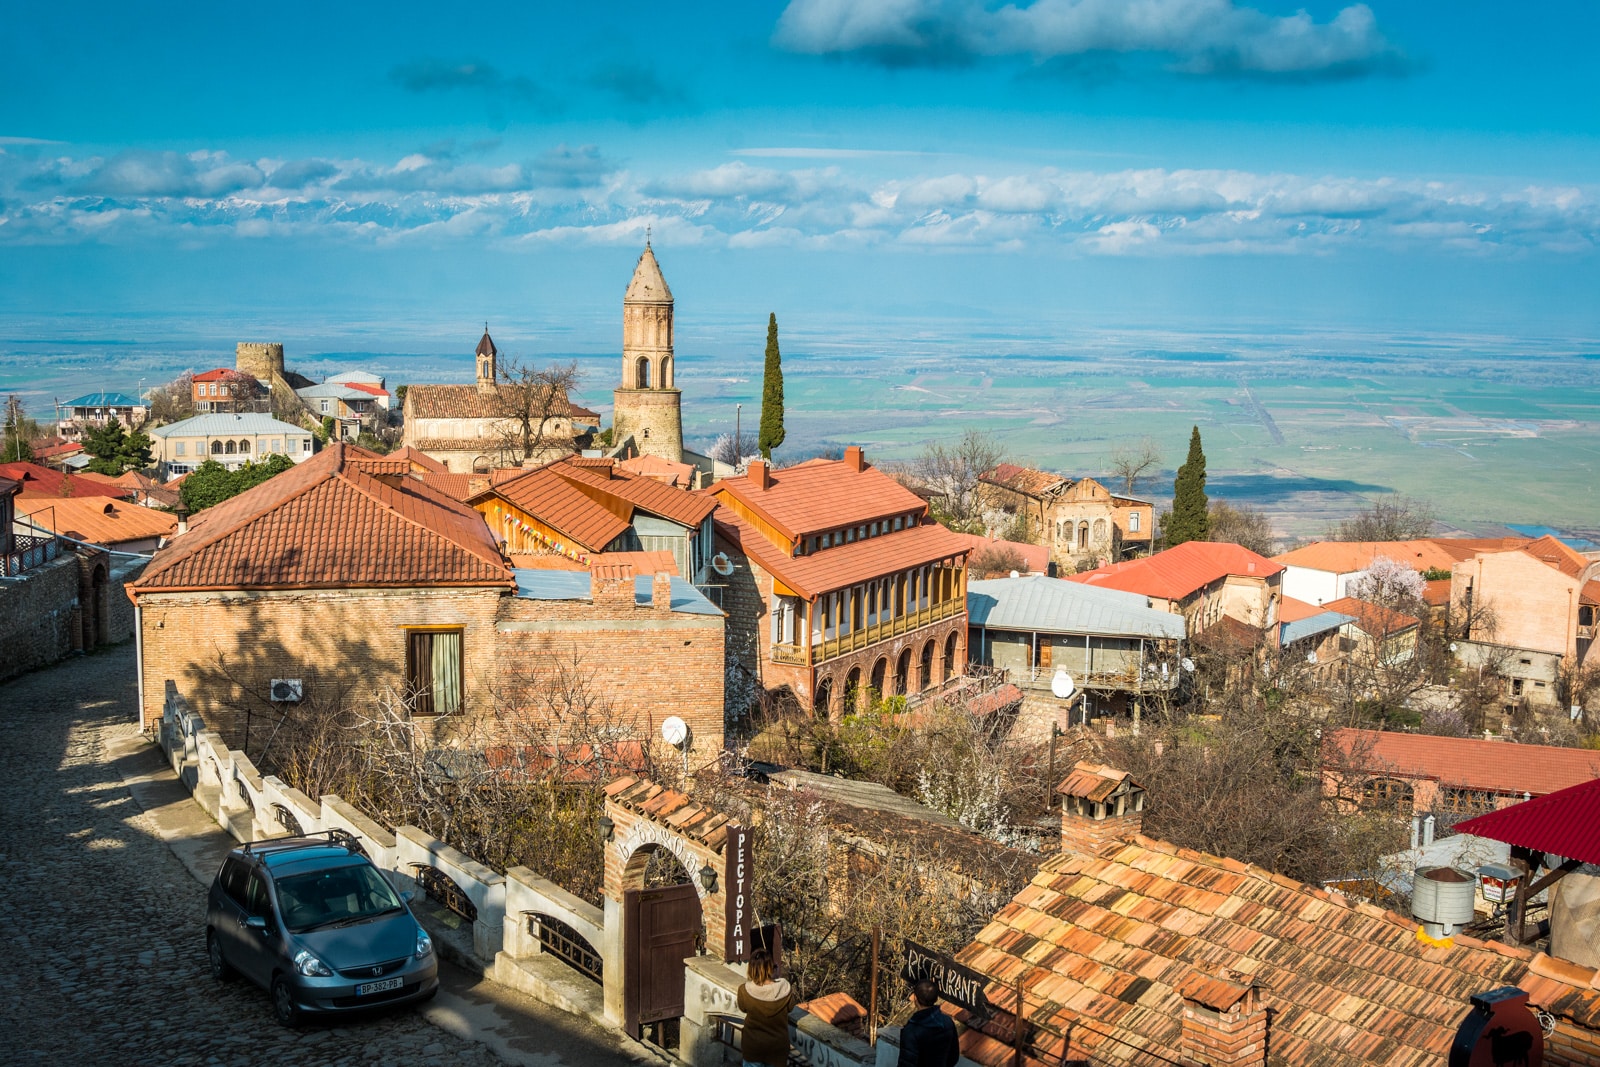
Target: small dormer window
899 521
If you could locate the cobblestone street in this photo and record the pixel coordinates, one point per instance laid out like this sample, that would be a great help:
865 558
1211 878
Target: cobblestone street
102 925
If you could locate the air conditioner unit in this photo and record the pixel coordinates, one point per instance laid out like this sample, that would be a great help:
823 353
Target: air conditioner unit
286 690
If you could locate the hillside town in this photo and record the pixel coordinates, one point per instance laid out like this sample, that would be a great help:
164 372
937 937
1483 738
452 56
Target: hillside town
1129 780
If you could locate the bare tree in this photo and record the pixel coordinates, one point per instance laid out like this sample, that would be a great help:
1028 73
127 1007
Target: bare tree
996 561
1391 518
727 449
244 392
173 401
532 402
952 471
1132 462
1242 525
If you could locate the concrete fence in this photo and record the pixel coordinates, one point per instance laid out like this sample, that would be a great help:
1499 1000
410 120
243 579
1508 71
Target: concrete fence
505 940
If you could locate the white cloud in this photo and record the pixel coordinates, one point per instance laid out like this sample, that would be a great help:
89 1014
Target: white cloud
575 195
1198 36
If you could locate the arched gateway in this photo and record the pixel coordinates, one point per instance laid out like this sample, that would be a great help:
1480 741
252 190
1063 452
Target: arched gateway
651 930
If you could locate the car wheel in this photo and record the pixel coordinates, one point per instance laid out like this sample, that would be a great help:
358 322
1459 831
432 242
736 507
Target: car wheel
221 969
283 1008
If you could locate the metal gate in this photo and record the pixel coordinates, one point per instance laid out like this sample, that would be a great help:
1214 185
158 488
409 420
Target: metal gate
660 929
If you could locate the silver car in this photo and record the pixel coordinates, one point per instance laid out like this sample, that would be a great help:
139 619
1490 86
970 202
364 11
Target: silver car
319 926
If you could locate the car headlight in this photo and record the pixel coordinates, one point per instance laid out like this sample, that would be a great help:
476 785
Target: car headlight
424 944
310 966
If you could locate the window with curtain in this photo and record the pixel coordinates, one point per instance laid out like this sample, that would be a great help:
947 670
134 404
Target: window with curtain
433 671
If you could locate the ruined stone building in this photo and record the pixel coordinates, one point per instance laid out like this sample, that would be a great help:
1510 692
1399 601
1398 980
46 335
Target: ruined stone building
1080 521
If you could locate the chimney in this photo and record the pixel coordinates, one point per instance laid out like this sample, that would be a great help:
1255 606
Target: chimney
661 592
183 520
1099 805
1224 1024
854 459
611 586
759 474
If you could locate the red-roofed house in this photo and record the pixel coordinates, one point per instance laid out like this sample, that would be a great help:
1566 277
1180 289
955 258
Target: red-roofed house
1077 520
37 481
349 579
837 582
1201 580
1323 570
1530 611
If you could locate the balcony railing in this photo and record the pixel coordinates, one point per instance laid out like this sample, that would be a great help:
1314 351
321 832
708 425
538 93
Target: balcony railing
28 551
868 635
1129 680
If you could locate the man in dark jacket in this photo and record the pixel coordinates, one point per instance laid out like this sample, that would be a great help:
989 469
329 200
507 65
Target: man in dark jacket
928 1039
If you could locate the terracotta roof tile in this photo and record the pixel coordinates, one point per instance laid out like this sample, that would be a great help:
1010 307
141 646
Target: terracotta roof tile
558 503
327 523
1346 983
1347 557
1027 480
837 568
817 497
98 519
1502 767
689 509
1375 619
42 481
1179 571
458 402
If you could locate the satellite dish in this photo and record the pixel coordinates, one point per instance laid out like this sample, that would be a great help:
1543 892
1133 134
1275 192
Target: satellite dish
1452 646
674 731
1014 574
722 564
1188 664
1061 685
1311 657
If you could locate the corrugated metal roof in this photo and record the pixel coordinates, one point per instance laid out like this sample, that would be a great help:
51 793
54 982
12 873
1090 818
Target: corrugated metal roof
1052 605
1566 823
1320 623
224 425
105 400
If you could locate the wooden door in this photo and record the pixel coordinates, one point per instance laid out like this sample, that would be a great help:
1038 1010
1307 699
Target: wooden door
660 929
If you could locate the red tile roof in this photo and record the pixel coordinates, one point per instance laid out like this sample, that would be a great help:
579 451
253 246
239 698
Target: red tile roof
64 448
99 520
1469 763
655 562
1347 557
846 565
689 509
1292 610
823 495
463 402
1565 823
366 387
1102 944
1179 571
328 523
1037 557
1436 594
215 375
1374 619
678 475
419 460
561 505
580 413
1562 557
42 481
1026 480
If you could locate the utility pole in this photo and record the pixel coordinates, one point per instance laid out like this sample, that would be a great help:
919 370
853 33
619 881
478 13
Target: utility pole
738 442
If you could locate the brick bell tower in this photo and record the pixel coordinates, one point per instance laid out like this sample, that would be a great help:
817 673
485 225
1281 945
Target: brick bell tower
648 404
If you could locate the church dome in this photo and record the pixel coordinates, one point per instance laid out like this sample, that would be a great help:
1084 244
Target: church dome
648 286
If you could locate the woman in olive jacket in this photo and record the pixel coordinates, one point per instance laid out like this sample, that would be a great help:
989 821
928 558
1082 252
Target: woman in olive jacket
766 1002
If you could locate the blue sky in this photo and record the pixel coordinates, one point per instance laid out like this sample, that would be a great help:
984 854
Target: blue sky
1413 165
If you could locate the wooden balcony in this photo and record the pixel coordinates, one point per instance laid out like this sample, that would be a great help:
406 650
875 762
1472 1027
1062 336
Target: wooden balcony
800 655
28 551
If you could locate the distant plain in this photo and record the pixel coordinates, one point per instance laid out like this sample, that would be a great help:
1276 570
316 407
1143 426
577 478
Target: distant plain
1309 427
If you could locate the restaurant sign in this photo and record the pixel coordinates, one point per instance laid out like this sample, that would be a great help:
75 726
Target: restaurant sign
960 985
737 876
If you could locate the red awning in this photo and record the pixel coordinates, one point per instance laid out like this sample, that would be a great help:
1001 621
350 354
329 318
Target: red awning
1565 823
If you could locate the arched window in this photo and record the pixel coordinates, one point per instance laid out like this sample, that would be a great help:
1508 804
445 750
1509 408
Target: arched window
666 372
1099 531
822 706
244 446
852 691
880 670
480 465
642 373
1083 535
231 448
927 666
216 448
646 435
950 656
902 673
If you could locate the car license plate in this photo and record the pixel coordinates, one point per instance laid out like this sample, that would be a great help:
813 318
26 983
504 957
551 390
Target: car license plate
379 987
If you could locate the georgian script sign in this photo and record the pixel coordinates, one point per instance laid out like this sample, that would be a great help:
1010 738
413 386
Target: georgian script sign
736 882
960 985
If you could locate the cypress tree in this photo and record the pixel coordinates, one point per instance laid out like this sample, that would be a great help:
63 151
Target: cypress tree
1189 521
771 394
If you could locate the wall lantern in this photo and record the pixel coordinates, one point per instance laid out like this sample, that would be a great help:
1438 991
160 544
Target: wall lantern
708 878
607 827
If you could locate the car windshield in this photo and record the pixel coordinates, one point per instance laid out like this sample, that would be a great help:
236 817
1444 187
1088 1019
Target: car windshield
342 896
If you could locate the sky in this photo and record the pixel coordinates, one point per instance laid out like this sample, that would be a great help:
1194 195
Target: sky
1411 165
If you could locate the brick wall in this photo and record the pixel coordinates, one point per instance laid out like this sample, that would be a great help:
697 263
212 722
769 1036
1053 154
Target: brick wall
224 649
645 662
37 617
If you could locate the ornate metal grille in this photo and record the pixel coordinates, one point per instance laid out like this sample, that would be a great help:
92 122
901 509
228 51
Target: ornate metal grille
565 944
439 887
346 840
287 820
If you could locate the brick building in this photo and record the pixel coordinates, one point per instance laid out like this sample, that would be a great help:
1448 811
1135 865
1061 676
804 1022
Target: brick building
1079 520
349 579
836 583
